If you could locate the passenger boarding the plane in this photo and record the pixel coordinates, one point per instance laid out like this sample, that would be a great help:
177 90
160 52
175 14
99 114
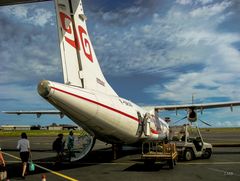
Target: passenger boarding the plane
3 171
70 144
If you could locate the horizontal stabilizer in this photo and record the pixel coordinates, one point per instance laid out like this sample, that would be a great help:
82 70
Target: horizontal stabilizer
38 113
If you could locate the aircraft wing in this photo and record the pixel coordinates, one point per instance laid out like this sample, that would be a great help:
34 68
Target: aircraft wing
38 113
197 106
12 2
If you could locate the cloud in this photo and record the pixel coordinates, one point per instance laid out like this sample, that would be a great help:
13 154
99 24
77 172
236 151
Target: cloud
122 13
164 42
41 17
181 44
30 14
227 124
28 51
210 10
23 94
184 2
19 12
205 1
9 99
185 45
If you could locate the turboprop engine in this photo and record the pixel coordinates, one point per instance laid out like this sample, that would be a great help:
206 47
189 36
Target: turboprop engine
192 115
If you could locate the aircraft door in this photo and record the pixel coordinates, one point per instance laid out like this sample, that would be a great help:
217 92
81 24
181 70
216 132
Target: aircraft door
140 125
147 130
146 125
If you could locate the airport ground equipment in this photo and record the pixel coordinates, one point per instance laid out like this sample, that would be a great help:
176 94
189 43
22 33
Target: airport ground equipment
153 151
189 142
44 178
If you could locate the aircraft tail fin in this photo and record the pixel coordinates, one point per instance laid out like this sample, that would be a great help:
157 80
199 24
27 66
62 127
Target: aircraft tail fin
80 64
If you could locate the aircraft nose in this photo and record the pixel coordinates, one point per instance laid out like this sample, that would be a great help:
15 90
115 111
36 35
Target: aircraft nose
44 88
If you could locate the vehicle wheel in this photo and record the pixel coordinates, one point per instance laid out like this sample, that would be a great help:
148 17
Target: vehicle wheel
171 164
207 154
175 162
188 154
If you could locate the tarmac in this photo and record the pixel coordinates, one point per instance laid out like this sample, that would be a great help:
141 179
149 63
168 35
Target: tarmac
99 164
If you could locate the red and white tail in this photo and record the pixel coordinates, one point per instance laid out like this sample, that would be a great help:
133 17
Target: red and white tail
80 64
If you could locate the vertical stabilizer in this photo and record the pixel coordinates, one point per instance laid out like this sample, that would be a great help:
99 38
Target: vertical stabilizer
80 64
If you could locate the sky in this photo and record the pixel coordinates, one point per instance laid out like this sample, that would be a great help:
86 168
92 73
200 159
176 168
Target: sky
151 52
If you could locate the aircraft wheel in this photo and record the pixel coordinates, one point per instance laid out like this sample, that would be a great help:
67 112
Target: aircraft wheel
188 154
175 162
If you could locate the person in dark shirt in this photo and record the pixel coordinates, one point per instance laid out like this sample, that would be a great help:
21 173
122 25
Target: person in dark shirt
58 146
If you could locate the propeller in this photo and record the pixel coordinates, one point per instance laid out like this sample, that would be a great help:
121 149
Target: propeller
204 122
186 117
180 120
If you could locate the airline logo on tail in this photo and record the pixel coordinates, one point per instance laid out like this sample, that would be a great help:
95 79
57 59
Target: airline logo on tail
72 36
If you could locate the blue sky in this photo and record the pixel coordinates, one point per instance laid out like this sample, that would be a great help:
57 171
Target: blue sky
152 53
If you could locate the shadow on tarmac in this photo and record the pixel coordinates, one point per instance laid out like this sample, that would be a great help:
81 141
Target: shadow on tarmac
95 157
140 167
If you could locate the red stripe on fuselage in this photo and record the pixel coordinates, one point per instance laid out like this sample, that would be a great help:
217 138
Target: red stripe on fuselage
154 131
98 103
103 105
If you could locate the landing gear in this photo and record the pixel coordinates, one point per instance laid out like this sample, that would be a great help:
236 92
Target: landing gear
116 148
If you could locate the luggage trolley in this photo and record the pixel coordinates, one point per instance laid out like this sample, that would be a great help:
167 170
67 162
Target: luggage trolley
153 151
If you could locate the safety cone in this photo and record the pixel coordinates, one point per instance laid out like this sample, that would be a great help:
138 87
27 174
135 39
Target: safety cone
44 177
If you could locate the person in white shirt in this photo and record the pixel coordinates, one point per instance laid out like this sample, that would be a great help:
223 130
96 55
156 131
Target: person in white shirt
70 144
24 148
3 171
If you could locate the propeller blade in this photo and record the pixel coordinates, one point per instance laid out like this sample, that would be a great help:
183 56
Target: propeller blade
204 122
180 120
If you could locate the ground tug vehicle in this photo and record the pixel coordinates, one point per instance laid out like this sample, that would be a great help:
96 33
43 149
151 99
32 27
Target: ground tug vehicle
189 142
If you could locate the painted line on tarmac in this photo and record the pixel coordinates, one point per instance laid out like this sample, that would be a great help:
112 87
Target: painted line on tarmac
210 163
46 169
11 155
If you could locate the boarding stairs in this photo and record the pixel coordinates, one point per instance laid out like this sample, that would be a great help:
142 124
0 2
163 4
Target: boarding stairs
83 144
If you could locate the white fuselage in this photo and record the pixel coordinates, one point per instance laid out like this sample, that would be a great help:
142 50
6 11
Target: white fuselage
109 118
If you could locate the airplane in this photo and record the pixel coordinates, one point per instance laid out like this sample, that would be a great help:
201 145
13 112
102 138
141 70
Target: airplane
88 99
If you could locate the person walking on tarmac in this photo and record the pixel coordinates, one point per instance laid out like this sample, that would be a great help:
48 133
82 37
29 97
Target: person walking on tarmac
25 152
3 170
58 146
